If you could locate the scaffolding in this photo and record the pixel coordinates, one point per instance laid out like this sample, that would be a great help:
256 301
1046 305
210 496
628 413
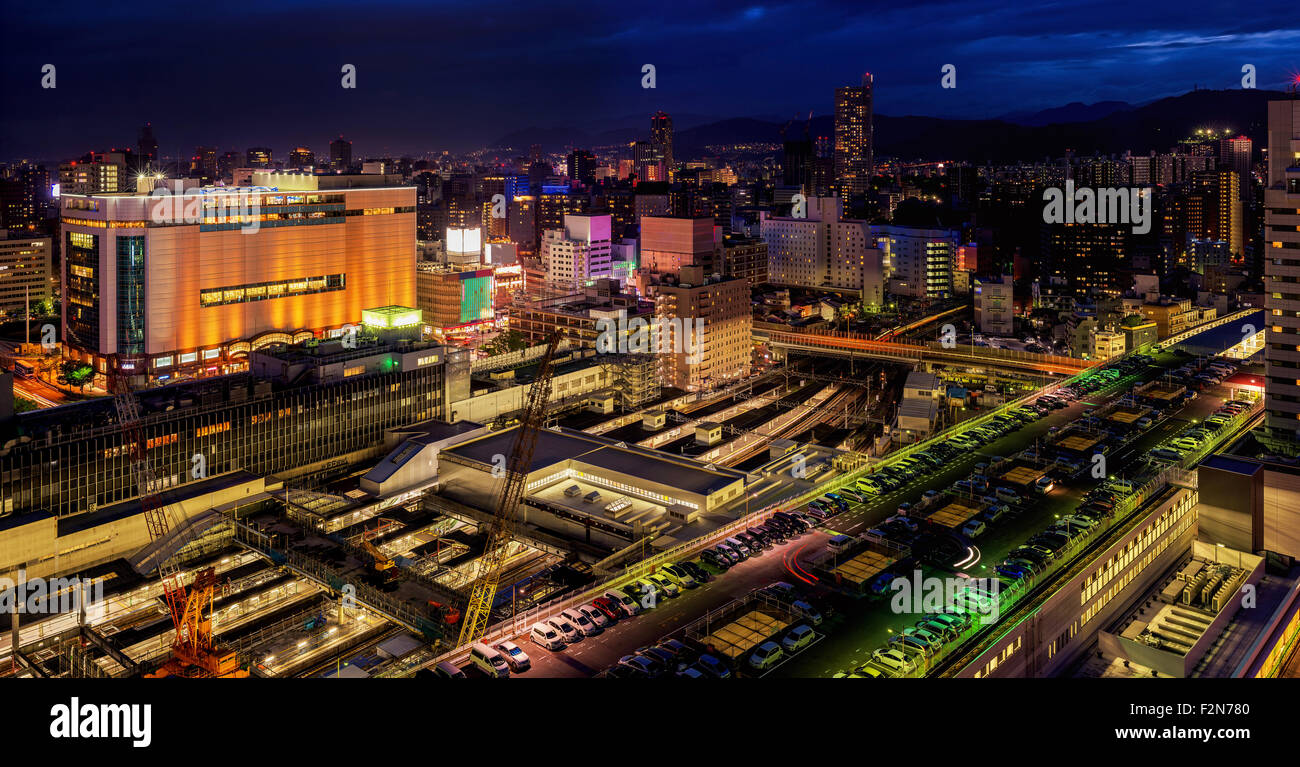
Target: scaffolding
634 378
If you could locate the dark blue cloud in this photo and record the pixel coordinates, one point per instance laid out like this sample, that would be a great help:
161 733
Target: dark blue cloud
453 75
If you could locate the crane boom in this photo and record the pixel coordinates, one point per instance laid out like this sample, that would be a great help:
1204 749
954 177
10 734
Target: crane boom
511 493
193 649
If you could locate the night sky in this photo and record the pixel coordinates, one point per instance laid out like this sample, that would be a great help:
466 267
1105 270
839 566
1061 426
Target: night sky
457 75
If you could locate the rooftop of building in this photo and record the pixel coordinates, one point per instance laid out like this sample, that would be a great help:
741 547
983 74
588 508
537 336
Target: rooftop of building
557 445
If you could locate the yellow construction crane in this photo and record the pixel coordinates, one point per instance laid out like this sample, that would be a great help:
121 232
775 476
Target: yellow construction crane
510 494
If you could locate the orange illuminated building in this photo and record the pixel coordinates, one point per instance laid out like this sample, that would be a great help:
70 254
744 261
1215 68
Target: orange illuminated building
184 285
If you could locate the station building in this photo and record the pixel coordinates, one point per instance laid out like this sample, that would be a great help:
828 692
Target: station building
302 411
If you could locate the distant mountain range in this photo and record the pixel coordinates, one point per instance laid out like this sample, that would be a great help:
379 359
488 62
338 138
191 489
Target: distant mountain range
1107 127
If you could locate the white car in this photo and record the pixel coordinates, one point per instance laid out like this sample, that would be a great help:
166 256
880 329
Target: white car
666 586
630 606
582 622
594 615
545 635
766 656
567 631
893 660
973 528
799 637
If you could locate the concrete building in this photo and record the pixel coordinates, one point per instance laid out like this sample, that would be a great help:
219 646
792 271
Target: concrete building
670 243
165 286
1174 315
1107 344
918 411
98 173
712 344
822 249
577 254
1281 271
994 308
917 262
26 273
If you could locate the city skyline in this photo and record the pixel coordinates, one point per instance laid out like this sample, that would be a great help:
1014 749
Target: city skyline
715 340
420 91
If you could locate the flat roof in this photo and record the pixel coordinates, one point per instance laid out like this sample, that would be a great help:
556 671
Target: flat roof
953 515
745 633
566 444
1023 475
1078 442
864 566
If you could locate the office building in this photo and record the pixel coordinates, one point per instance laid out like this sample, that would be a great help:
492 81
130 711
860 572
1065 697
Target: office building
854 161
454 298
340 154
148 147
1236 153
1281 273
204 163
26 273
669 243
258 157
301 158
918 262
581 166
648 162
155 295
746 259
96 173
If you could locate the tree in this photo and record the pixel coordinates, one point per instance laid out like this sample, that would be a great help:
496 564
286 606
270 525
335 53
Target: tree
509 341
75 373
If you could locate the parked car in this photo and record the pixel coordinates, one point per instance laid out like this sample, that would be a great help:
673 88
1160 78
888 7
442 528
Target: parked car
516 658
798 638
766 656
712 666
548 636
612 609
698 573
665 586
642 665
678 575
893 660
628 605
595 615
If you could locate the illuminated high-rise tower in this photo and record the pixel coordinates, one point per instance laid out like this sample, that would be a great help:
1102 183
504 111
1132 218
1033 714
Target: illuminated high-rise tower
854 161
1281 267
661 136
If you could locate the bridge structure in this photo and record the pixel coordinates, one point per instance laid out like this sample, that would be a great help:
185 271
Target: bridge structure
848 344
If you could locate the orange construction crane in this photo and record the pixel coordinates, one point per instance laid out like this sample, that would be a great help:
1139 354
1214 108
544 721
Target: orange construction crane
511 493
194 654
